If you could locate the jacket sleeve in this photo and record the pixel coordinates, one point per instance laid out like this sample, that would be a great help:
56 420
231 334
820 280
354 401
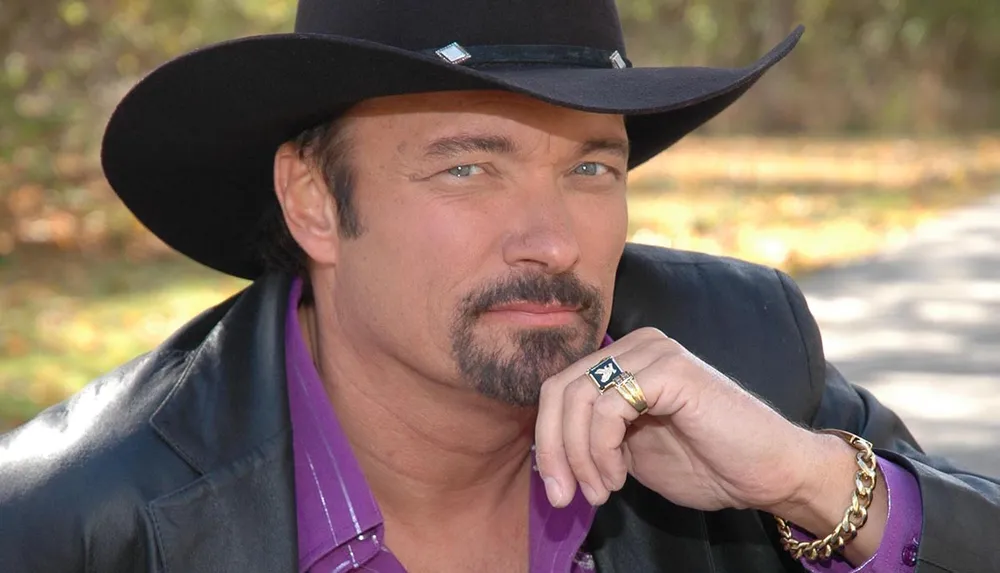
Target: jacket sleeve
56 514
31 539
961 509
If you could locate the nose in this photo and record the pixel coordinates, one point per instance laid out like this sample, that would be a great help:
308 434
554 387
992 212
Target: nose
542 232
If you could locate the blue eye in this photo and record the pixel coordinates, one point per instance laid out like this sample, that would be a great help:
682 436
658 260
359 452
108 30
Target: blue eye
591 169
465 170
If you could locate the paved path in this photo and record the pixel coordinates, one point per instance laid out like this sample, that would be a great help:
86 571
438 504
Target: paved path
920 327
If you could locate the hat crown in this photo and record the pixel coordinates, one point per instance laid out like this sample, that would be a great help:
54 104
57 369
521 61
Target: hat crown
429 24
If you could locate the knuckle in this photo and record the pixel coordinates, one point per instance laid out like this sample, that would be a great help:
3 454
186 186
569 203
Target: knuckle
603 457
655 340
614 478
547 458
544 454
602 496
579 461
548 390
605 406
652 333
620 478
575 456
668 349
664 361
577 390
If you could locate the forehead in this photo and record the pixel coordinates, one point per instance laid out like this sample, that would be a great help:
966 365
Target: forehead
433 114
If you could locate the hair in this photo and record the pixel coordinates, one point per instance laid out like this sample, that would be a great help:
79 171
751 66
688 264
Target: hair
327 147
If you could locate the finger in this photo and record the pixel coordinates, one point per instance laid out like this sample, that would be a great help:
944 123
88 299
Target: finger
611 416
578 407
597 482
550 452
550 456
608 426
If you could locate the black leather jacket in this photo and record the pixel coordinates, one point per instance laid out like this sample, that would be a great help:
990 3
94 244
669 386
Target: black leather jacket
180 460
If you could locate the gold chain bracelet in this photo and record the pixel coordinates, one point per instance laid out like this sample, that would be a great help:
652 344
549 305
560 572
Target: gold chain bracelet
855 516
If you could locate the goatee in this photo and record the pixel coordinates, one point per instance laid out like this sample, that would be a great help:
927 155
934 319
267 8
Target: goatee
515 376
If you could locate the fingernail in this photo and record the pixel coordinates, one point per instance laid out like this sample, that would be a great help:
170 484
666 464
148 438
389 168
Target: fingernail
589 493
553 491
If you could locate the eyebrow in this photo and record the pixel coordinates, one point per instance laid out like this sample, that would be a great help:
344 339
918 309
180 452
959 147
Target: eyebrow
502 145
458 144
614 145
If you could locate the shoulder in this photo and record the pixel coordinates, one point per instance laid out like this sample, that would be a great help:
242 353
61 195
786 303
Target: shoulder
75 480
677 268
655 279
70 479
747 320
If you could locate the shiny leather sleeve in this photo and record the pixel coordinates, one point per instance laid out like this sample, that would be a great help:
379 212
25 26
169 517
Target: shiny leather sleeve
74 480
53 515
961 509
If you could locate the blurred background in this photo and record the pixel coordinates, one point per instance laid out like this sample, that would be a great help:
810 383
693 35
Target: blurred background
865 165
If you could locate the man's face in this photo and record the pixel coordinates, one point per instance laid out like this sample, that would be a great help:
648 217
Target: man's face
492 229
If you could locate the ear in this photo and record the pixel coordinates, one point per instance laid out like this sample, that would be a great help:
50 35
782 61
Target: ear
308 206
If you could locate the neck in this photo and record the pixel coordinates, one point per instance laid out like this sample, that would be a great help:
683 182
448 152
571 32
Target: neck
428 450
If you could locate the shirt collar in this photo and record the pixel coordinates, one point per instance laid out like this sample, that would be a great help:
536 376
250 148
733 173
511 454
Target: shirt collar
333 501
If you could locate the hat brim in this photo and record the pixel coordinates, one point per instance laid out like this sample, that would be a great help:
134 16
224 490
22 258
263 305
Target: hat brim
189 150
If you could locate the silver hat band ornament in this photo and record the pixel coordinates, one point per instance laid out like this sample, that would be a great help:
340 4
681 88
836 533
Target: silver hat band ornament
514 55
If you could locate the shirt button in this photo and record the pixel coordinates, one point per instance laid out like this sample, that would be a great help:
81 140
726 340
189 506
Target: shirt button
909 556
585 561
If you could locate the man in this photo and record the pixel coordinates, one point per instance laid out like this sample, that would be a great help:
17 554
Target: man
449 359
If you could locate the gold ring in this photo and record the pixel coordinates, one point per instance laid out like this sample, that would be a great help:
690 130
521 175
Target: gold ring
630 390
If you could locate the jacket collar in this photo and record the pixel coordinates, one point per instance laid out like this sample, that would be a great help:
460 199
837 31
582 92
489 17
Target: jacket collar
231 397
228 418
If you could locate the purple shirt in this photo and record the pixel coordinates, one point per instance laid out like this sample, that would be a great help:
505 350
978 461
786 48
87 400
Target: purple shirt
340 527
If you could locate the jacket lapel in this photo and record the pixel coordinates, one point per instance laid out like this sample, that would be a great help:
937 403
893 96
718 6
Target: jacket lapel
237 518
228 419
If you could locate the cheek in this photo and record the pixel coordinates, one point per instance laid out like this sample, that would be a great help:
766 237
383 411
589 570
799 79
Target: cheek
439 239
601 228
438 247
405 277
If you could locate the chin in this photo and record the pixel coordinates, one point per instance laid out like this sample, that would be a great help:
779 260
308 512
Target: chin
513 372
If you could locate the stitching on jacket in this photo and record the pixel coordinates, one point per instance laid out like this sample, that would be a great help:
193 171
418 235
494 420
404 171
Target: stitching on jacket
257 450
160 548
155 503
191 358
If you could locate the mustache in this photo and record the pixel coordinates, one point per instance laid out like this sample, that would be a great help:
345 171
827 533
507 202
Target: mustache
564 289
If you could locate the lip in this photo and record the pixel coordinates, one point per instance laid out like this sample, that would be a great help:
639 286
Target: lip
534 314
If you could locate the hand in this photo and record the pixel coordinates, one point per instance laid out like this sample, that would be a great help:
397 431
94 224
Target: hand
705 442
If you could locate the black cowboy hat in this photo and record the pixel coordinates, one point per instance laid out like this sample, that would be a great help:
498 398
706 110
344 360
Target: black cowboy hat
190 148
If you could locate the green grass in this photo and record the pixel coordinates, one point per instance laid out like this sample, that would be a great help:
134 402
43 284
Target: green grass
65 321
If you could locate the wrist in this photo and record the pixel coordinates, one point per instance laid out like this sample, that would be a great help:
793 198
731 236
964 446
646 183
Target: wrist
822 491
820 502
